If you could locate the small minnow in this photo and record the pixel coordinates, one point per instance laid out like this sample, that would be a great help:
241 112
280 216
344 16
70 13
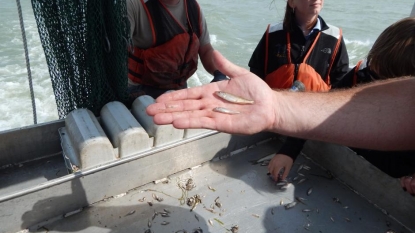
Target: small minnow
225 110
301 200
130 213
290 205
301 181
232 98
149 223
210 188
309 191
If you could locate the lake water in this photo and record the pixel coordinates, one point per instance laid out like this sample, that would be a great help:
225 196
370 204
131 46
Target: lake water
235 28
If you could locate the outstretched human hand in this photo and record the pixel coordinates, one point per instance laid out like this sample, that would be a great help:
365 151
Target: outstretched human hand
278 163
408 184
193 107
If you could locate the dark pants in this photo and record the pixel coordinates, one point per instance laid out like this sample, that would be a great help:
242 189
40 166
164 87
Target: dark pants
394 163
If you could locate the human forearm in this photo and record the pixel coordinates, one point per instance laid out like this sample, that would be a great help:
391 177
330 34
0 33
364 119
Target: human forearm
205 53
375 116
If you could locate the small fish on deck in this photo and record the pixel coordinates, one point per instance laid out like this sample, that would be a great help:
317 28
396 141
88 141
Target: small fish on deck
290 205
233 98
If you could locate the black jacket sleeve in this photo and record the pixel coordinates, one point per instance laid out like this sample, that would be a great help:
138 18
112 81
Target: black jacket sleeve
346 81
362 76
341 64
257 61
292 147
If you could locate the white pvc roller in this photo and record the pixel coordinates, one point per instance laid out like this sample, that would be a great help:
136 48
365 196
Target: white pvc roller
90 144
123 129
163 134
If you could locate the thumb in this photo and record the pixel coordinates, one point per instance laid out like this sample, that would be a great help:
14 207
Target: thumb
226 67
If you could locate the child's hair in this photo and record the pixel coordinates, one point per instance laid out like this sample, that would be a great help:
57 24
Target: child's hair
393 53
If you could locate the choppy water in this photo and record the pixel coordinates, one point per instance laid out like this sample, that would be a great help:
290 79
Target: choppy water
235 29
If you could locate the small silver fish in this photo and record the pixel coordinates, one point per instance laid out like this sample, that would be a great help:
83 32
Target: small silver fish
290 205
305 167
301 181
300 167
301 200
232 98
149 223
210 188
309 191
282 183
130 213
225 110
165 215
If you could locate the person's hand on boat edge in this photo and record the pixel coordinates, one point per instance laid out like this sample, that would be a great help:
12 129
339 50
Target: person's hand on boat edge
193 107
408 184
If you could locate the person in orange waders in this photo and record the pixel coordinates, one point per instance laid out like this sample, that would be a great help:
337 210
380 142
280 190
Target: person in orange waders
304 48
167 36
391 56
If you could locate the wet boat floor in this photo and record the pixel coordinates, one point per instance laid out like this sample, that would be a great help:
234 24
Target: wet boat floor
249 199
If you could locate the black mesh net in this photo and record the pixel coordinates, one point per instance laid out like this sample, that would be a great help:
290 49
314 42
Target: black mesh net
85 44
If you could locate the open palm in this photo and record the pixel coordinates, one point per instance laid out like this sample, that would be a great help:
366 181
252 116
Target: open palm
193 107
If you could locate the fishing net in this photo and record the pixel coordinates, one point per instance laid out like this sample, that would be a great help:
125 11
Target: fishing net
85 44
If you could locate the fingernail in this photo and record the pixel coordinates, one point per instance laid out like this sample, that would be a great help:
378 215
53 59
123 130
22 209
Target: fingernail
404 189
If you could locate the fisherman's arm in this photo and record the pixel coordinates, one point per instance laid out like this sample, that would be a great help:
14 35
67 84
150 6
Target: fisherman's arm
375 116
